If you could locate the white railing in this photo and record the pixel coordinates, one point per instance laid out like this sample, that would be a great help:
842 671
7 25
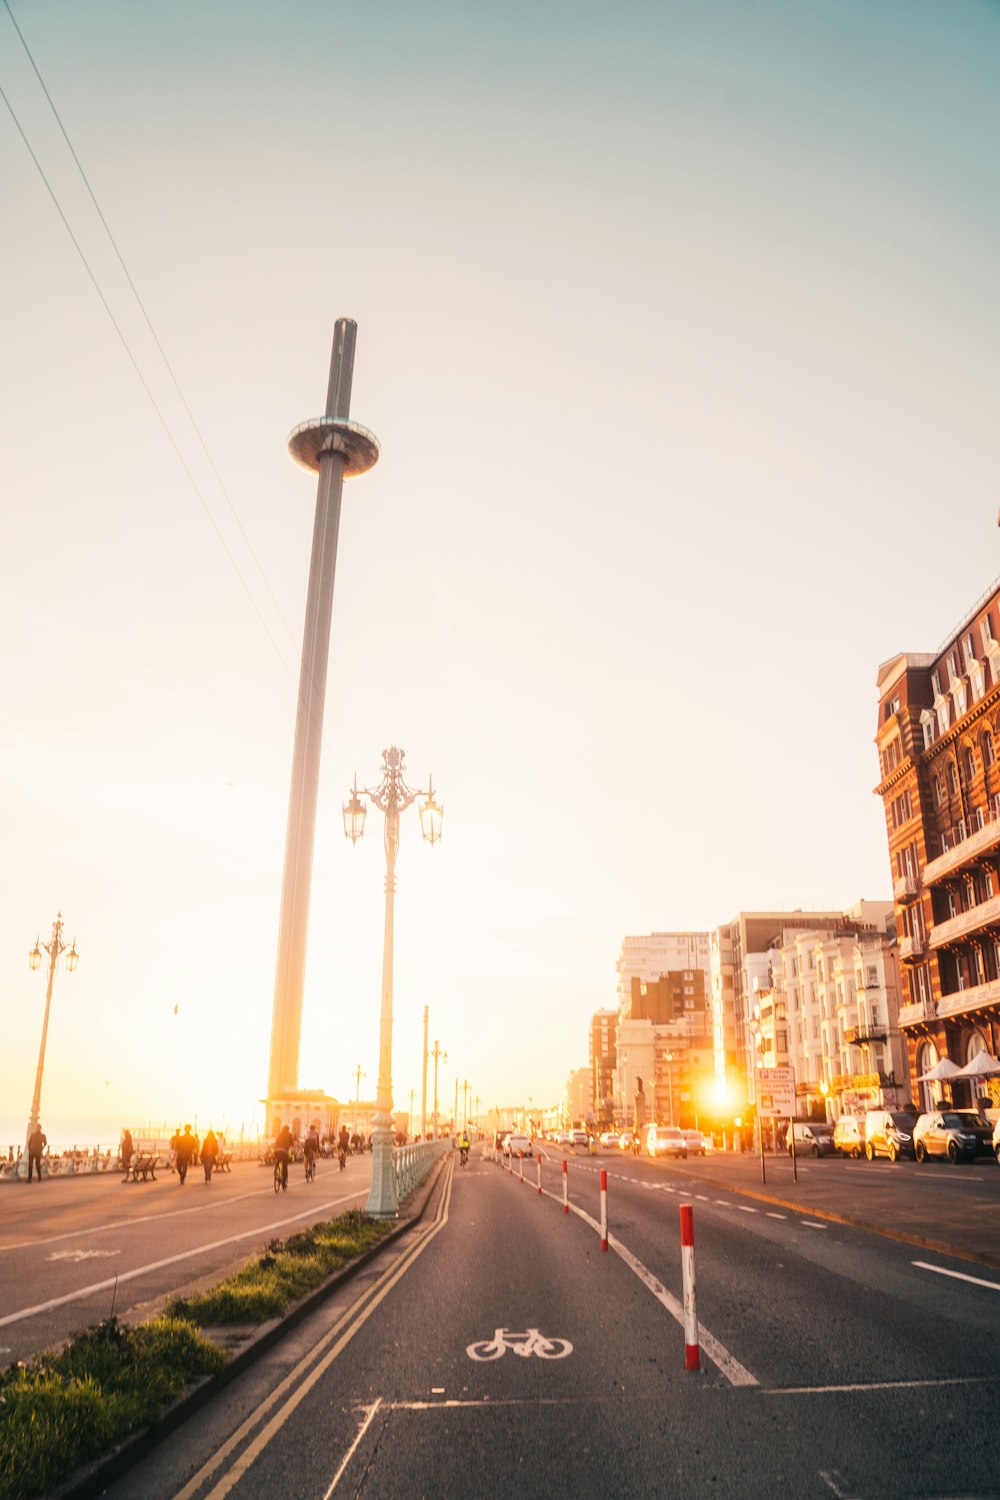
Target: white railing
986 914
966 844
921 1010
412 1163
971 999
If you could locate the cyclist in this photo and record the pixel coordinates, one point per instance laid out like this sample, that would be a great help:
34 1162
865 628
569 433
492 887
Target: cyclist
343 1146
283 1143
310 1150
463 1146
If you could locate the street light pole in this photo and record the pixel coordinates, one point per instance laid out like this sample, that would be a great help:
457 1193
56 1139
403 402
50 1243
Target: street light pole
465 1103
437 1054
54 947
392 796
358 1075
423 1095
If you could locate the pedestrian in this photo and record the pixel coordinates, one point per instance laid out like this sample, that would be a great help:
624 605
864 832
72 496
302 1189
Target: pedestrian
37 1141
126 1152
209 1151
185 1151
175 1141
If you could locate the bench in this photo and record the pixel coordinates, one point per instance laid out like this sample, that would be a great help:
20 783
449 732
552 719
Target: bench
224 1161
144 1164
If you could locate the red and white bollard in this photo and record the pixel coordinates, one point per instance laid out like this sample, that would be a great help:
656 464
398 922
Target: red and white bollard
565 1186
520 1165
539 1174
691 1356
604 1209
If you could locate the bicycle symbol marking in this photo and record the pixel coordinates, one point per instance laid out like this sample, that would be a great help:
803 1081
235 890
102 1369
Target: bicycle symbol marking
524 1344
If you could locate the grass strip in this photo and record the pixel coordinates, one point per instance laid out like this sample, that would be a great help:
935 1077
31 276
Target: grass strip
288 1269
59 1411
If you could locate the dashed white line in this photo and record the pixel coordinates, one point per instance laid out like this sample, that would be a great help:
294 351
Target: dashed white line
745 1208
772 1215
813 1224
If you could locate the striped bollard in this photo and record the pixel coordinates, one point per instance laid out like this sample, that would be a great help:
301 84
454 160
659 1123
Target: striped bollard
520 1165
604 1209
539 1174
691 1356
565 1186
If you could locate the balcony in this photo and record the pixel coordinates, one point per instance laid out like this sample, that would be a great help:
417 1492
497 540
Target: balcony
905 888
913 1015
855 1035
912 949
979 997
979 842
986 914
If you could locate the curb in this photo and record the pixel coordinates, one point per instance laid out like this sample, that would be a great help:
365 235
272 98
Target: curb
94 1478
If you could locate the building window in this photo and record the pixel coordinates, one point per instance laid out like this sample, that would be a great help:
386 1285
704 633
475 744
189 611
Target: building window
970 763
952 779
987 631
970 650
938 792
936 683
960 700
989 754
922 984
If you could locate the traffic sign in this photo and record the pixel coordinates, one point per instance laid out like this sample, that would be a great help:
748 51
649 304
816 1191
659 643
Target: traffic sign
776 1093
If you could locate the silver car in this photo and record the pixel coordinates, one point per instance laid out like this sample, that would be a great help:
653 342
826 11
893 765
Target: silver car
944 1133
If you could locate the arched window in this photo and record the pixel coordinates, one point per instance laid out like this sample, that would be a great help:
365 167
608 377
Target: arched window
989 754
952 779
969 762
938 792
930 1091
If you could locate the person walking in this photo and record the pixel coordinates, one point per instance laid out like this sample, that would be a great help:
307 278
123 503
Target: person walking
185 1151
37 1141
209 1151
125 1151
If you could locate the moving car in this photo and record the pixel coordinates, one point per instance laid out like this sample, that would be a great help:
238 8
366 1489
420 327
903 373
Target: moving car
515 1144
666 1140
849 1135
608 1137
943 1133
696 1141
888 1132
579 1138
812 1138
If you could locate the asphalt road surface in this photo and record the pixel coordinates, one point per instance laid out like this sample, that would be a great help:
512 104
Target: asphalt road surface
73 1249
496 1350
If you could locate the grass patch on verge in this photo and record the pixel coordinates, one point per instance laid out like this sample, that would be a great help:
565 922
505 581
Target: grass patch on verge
288 1269
60 1411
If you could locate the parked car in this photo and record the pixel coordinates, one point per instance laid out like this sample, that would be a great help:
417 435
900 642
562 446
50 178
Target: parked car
888 1132
943 1133
608 1137
849 1135
666 1140
696 1142
579 1138
981 1128
515 1144
812 1138
562 1139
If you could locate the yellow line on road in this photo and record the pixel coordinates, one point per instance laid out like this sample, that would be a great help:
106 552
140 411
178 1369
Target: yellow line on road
350 1322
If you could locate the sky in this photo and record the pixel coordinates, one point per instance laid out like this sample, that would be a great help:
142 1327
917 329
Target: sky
678 328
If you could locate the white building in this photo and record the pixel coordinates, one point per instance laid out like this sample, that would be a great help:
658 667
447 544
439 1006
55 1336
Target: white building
657 953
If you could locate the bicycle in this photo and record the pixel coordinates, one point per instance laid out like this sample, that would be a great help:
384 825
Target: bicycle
464 1153
310 1166
281 1174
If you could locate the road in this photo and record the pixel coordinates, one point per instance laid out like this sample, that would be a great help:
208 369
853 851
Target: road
72 1250
834 1362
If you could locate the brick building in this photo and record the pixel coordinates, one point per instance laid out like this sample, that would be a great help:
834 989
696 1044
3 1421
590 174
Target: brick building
938 725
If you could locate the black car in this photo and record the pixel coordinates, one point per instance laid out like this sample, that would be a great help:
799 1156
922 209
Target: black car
980 1127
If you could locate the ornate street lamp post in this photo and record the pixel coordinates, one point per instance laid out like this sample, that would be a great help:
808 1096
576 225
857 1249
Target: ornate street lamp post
54 948
392 796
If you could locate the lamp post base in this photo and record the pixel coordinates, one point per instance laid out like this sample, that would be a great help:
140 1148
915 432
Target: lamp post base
382 1200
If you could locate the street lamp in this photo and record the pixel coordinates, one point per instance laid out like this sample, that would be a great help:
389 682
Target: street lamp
392 796
54 947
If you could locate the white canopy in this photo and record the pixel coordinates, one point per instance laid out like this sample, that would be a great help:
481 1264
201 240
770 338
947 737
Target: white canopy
981 1066
940 1072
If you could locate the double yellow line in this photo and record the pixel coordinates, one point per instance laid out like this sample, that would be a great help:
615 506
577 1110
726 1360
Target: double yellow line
297 1384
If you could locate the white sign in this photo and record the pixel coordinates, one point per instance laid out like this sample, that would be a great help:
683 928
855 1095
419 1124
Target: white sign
776 1093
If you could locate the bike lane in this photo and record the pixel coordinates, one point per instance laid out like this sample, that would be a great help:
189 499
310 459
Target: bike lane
405 1410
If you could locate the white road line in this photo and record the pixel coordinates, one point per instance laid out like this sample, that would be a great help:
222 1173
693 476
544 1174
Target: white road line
723 1202
102 1286
924 1265
772 1215
720 1356
876 1385
813 1224
351 1450
745 1208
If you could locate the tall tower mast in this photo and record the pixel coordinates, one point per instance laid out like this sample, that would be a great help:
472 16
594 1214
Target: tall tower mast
334 448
